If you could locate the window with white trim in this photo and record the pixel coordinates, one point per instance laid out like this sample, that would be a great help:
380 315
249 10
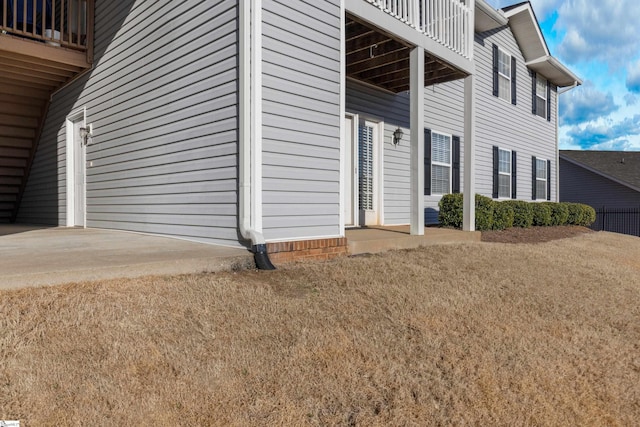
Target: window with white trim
504 75
541 179
504 173
541 97
440 163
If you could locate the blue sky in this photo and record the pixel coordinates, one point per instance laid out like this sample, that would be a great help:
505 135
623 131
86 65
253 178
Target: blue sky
599 40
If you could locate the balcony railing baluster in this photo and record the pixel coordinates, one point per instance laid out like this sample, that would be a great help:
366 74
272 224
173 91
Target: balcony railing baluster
446 21
56 22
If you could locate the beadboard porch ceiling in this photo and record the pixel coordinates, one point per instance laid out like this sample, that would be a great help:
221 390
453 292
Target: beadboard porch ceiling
380 60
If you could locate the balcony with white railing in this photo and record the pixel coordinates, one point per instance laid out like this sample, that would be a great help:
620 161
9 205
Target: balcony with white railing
449 22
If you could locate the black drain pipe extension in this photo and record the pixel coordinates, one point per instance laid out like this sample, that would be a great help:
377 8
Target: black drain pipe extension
261 257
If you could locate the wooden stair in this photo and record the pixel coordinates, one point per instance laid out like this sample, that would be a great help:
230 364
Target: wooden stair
31 71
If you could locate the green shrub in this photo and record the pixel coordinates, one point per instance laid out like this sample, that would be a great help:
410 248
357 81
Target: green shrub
484 213
541 214
559 213
503 215
450 214
522 213
575 213
588 215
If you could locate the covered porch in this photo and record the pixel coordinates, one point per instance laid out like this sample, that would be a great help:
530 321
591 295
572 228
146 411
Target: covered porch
403 46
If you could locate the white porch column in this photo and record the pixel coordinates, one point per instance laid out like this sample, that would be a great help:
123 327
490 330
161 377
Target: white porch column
417 140
469 205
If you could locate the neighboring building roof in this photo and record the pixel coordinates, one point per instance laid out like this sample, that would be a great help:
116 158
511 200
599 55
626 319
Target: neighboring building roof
622 167
526 29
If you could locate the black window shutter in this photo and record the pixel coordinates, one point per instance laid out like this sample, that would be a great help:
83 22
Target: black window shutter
533 91
513 80
548 179
496 182
427 162
514 191
495 70
533 178
455 170
548 101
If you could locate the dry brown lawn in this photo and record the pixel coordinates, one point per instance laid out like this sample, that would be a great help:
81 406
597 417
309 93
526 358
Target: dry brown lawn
483 334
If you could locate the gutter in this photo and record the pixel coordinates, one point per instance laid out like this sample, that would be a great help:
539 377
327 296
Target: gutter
249 150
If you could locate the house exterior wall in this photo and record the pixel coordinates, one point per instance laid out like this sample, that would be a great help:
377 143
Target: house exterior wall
301 119
580 185
513 127
162 98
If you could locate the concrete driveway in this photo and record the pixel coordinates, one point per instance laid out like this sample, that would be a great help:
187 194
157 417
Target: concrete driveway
33 256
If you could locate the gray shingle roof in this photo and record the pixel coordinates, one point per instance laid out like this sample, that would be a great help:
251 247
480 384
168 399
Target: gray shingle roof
621 166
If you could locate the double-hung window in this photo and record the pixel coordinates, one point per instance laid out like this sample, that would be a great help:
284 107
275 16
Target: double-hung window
504 75
541 97
504 173
541 179
440 163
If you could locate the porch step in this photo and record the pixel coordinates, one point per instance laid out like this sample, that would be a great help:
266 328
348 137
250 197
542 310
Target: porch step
380 239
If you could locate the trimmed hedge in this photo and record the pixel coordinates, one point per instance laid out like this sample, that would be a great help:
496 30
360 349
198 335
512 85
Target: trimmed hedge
588 215
559 213
522 213
575 213
499 215
450 214
503 215
484 213
541 214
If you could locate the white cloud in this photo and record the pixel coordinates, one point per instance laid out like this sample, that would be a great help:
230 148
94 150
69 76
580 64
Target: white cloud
584 104
604 30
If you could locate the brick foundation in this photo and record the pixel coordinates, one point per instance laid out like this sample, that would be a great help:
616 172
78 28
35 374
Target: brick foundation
320 249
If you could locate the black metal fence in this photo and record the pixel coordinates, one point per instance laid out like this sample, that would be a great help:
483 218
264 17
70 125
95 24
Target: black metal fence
618 220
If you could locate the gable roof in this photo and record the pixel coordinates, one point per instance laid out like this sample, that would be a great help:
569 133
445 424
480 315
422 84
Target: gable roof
525 27
622 167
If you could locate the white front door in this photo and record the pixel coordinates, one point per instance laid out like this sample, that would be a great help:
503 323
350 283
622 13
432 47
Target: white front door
76 171
362 172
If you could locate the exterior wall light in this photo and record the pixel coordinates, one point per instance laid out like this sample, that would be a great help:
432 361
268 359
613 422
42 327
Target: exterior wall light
85 134
397 136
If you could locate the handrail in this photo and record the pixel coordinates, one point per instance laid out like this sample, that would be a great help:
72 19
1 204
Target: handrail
65 23
447 21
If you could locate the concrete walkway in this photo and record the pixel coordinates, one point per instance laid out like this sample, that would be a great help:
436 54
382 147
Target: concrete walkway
32 256
380 239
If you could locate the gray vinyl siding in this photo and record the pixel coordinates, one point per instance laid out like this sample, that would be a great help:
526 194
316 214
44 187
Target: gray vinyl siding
162 99
512 127
301 119
580 185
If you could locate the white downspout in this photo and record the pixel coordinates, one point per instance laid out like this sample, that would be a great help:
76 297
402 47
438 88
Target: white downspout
249 146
